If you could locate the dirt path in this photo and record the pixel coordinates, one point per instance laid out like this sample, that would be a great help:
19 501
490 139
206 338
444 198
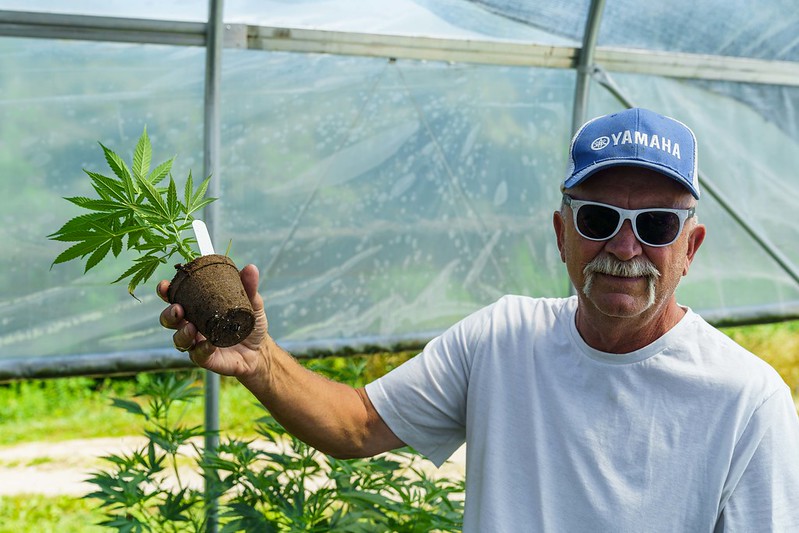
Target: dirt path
56 468
61 468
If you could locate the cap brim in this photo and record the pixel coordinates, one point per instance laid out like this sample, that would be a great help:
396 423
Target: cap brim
586 173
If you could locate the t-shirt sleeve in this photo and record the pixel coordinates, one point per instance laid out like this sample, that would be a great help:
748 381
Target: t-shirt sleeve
423 401
765 477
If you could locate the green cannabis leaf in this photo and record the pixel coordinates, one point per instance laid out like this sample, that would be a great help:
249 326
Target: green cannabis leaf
134 213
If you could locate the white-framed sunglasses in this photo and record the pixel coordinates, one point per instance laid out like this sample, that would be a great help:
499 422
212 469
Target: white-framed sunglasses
657 226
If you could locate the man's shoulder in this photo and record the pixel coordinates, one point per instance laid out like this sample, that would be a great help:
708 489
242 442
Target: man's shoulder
730 362
533 315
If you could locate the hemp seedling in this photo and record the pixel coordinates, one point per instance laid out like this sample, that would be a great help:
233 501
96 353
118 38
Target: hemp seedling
132 212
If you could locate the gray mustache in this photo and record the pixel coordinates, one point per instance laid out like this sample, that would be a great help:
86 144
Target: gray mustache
636 267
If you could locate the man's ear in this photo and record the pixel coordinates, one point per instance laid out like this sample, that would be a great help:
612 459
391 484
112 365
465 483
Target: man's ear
695 240
560 232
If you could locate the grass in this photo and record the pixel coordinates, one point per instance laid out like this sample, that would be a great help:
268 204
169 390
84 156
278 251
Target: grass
78 408
48 514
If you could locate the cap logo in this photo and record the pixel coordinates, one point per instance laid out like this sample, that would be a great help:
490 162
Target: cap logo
600 142
650 140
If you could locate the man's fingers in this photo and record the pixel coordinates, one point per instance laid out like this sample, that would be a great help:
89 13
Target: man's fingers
249 278
172 316
201 352
185 337
161 289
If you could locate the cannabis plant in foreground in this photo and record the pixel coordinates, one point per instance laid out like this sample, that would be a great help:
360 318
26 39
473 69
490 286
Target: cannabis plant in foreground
131 211
271 483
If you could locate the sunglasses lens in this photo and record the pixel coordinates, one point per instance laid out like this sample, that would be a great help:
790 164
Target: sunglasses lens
596 221
657 227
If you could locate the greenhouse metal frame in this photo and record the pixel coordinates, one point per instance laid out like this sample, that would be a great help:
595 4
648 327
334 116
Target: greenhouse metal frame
590 62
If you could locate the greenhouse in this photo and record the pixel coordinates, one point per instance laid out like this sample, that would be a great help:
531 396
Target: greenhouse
390 168
389 172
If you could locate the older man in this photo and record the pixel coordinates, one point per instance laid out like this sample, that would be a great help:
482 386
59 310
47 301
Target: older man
614 410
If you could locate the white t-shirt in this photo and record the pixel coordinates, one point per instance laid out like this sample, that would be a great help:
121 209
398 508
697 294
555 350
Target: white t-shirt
689 434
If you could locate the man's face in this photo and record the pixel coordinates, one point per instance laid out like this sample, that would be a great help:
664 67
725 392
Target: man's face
620 295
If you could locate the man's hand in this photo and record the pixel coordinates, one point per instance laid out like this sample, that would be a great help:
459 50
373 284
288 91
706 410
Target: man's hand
244 360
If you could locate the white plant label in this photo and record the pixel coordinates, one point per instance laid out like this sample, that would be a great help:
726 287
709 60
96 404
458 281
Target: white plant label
203 238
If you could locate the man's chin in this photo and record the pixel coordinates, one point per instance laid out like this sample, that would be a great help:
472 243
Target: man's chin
619 304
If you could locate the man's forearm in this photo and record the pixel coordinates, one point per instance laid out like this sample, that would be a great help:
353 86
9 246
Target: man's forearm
334 418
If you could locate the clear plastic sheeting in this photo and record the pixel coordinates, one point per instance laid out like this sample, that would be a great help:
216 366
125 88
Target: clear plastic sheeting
381 198
421 191
734 28
57 103
731 27
429 18
181 10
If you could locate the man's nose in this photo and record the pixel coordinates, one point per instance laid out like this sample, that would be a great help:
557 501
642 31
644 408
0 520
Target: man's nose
624 245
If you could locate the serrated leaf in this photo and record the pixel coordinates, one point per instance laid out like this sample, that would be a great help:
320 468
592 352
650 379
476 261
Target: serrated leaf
173 206
141 271
116 247
160 172
153 242
129 272
80 249
106 206
187 192
141 156
74 236
119 168
107 187
202 203
153 196
151 454
154 199
79 200
129 406
199 193
149 215
98 255
81 223
91 226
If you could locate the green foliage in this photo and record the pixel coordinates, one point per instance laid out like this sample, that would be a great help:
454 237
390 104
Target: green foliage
135 493
284 485
61 409
272 483
777 344
134 213
79 407
47 514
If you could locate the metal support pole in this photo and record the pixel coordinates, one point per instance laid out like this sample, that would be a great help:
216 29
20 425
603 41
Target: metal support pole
211 131
585 63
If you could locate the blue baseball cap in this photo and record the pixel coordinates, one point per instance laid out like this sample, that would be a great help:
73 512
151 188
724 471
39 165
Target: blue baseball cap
635 137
